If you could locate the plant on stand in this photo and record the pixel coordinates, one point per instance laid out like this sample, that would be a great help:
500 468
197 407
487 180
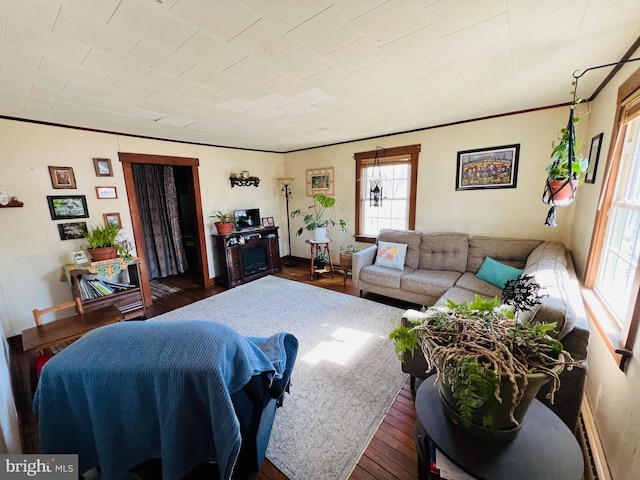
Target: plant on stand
489 365
104 243
317 220
224 224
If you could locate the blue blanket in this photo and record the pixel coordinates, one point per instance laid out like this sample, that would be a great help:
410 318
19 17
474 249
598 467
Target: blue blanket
137 390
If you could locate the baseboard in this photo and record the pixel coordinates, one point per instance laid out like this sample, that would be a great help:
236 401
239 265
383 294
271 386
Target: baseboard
595 461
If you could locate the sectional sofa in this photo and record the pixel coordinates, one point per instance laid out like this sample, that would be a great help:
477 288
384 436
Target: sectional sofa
440 266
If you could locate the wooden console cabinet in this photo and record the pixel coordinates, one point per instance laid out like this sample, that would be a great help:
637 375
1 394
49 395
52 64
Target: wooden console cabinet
240 257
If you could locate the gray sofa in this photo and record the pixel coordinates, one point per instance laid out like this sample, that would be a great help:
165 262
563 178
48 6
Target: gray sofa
443 266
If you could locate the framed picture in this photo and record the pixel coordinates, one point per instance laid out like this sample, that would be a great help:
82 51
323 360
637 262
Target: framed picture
62 177
72 231
63 207
320 180
79 257
103 167
112 219
594 156
267 222
495 167
106 192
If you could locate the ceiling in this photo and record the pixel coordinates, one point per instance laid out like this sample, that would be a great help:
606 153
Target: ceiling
284 75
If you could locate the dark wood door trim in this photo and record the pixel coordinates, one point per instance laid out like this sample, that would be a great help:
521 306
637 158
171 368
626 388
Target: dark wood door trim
127 159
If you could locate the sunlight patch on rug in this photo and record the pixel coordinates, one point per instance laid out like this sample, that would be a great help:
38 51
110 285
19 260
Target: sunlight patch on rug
347 342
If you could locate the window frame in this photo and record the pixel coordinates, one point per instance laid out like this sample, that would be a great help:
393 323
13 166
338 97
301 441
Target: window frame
362 161
618 339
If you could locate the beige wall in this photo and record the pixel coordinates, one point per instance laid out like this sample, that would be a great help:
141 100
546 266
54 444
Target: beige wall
31 252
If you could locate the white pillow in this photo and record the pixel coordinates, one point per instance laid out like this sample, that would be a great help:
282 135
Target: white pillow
391 255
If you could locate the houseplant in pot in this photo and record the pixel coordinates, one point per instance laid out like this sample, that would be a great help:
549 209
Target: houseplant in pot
104 243
562 179
224 224
489 365
316 220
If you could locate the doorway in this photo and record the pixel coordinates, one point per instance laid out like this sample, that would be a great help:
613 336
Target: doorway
190 208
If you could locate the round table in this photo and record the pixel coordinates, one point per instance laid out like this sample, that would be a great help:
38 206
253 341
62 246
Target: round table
545 447
315 244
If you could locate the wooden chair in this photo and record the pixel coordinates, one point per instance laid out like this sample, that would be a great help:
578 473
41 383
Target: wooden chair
45 355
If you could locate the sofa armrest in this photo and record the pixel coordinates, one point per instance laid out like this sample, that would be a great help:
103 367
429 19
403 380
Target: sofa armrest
360 260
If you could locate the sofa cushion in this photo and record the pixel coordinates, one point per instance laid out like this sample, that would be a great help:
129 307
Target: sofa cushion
444 251
383 276
410 237
429 282
497 273
391 255
511 251
469 281
546 255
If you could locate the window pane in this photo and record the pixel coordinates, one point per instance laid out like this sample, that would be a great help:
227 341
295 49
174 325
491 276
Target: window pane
393 210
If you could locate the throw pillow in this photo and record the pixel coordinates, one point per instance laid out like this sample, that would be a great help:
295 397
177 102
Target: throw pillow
497 273
391 255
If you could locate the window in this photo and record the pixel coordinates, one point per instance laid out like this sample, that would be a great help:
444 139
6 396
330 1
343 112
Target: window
398 169
612 275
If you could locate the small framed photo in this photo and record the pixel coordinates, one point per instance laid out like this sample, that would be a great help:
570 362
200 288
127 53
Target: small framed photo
62 177
72 231
106 192
267 222
63 207
594 156
494 167
112 219
103 167
320 180
79 257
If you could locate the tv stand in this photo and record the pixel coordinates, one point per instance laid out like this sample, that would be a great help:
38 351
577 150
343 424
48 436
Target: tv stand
240 257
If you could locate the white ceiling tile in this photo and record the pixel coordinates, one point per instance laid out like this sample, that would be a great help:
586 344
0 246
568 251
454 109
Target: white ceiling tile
162 97
410 48
237 105
274 101
93 33
253 71
287 14
17 56
265 41
34 77
312 96
176 121
40 41
137 102
127 87
524 11
99 93
266 112
392 20
59 68
285 85
24 99
145 114
12 85
166 82
448 17
208 95
109 106
208 77
98 10
156 24
302 63
356 55
207 50
224 19
297 109
105 62
354 8
157 58
337 30
37 14
494 31
243 90
44 92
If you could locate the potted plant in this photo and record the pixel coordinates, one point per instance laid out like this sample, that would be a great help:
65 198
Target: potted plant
316 220
103 242
346 253
558 170
489 365
224 224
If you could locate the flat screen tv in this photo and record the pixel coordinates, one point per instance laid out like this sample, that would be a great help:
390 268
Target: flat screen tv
246 219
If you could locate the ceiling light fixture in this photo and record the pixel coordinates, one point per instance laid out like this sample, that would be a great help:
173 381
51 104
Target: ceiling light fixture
376 181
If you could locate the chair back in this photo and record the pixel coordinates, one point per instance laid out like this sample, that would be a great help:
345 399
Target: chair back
37 314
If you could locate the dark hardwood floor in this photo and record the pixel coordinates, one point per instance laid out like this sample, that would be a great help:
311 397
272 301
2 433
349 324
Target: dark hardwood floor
391 454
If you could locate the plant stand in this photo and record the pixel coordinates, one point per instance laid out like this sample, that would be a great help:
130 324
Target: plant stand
314 250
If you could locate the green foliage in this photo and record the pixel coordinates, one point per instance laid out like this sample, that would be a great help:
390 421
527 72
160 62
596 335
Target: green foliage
404 339
222 217
558 169
352 248
472 384
316 218
106 236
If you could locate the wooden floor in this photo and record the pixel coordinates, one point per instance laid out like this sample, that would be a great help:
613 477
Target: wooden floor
391 454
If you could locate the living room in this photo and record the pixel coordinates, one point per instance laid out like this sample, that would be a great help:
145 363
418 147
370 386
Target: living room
33 253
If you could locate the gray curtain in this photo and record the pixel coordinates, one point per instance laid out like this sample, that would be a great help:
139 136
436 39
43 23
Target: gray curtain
158 208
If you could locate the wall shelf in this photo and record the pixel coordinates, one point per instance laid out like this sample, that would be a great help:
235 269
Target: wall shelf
12 203
244 182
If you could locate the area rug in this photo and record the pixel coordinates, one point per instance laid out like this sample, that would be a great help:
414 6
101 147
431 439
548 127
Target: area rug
346 374
159 290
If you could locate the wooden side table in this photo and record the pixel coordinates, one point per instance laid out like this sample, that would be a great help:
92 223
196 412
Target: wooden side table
545 448
314 250
346 262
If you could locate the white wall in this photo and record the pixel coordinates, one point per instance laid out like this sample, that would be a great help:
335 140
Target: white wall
517 212
31 252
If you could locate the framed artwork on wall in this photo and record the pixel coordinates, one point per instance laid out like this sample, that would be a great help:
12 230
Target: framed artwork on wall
106 192
594 156
62 177
267 222
494 167
112 219
102 167
63 207
72 230
320 180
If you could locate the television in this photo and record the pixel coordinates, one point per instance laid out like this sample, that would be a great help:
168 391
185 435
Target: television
246 219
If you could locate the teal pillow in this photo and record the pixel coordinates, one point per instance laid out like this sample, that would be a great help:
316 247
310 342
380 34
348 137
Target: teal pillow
497 273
